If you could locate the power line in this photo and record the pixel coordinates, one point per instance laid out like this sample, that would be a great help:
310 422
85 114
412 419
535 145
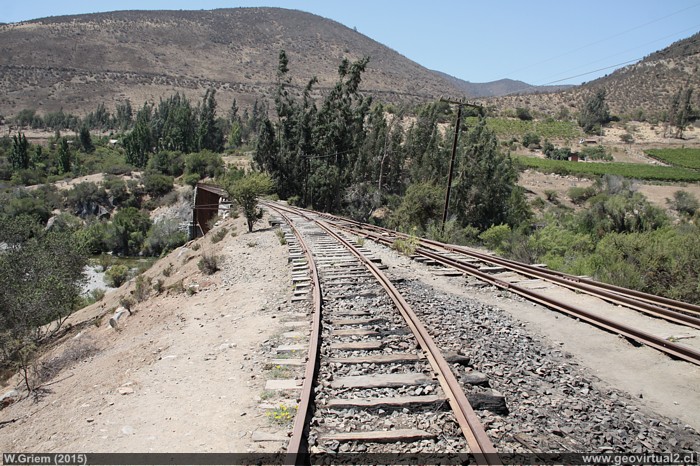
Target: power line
604 39
696 27
517 91
591 72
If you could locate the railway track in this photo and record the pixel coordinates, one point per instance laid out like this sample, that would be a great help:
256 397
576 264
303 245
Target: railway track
484 267
374 375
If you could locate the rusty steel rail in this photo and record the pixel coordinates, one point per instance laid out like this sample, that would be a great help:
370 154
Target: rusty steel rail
297 448
679 312
679 351
672 349
479 443
643 302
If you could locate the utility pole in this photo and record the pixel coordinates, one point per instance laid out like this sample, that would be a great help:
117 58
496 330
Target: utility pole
460 104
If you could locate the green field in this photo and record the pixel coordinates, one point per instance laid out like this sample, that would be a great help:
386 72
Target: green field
546 129
688 158
627 170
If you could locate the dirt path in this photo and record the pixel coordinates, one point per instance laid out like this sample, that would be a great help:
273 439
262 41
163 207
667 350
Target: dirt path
185 373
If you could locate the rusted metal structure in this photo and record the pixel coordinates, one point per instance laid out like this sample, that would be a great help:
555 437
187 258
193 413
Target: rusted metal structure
208 202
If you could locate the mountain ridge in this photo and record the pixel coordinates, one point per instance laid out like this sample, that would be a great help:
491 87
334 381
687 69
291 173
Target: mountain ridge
77 62
72 61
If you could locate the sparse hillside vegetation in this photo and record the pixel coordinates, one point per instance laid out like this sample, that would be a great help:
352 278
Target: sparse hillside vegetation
643 91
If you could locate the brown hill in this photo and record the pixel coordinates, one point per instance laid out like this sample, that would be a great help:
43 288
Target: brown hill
500 88
641 89
76 62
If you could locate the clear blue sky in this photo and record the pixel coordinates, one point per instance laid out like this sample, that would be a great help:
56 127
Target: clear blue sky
536 41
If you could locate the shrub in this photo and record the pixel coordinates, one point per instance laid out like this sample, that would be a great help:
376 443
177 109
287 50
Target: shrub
580 194
142 288
204 163
523 113
219 235
551 195
561 153
280 236
117 275
79 351
538 203
208 264
531 140
177 287
282 415
158 286
627 138
157 185
496 237
406 246
245 191
127 303
421 205
163 237
684 203
130 228
168 270
97 294
191 179
167 163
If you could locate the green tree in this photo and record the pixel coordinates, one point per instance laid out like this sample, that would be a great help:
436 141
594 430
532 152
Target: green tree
174 125
425 146
209 134
130 228
531 139
140 141
167 162
19 153
124 116
157 185
99 119
205 164
246 191
595 113
26 117
41 286
420 206
685 203
64 156
235 138
484 193
25 202
95 237
163 237
663 262
681 112
523 113
85 199
86 140
623 212
117 275
312 152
